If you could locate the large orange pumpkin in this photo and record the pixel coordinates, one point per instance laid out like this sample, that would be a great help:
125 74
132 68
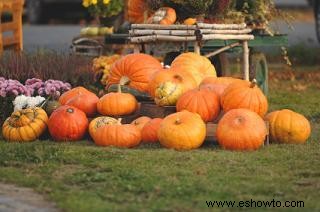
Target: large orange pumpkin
218 84
86 102
289 127
67 123
134 70
137 11
150 130
201 101
100 122
118 135
244 95
176 77
141 121
72 93
182 131
241 129
163 16
198 66
117 104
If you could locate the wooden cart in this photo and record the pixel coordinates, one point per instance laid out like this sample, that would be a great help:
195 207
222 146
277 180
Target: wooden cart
213 48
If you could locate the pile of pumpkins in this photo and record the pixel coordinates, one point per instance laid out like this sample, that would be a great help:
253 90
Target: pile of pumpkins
190 84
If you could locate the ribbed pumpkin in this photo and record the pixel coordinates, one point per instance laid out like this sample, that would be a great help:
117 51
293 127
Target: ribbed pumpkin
117 104
141 121
176 77
100 122
241 129
86 102
182 131
71 93
244 95
67 123
218 84
288 127
198 66
134 70
25 125
150 131
163 16
118 135
137 11
201 101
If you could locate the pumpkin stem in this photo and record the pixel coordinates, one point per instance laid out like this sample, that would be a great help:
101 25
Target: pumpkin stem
125 80
119 88
70 110
253 83
119 121
178 121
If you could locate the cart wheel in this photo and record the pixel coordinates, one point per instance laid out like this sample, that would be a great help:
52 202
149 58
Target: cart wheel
221 63
259 70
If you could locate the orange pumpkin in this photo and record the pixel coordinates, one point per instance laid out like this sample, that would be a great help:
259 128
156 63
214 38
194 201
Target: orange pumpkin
118 135
218 84
176 77
289 127
137 11
190 21
117 104
182 131
141 121
163 16
71 93
67 123
201 101
198 66
86 102
244 95
134 70
150 131
241 129
100 122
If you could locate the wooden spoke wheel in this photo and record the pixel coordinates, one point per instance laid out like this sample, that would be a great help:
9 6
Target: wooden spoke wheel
259 70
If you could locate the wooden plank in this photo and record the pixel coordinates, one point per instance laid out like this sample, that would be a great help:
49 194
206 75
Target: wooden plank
9 26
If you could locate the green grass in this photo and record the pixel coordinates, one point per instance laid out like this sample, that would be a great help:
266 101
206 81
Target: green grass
82 177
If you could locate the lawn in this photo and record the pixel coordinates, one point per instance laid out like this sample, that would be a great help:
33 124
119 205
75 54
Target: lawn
82 177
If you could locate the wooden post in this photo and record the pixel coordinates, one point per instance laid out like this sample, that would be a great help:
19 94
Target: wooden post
246 50
196 48
136 49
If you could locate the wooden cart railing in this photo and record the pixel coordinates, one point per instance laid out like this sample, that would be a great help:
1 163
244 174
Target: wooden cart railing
11 31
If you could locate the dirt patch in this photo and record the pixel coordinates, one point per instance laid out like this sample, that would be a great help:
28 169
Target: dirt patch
13 199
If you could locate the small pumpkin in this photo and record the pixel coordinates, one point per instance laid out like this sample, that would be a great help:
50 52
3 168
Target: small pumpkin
71 93
241 129
137 11
201 101
218 84
86 102
25 125
126 135
190 21
288 127
168 93
198 66
68 123
51 106
177 77
100 122
134 70
182 131
150 131
117 104
246 95
141 121
163 16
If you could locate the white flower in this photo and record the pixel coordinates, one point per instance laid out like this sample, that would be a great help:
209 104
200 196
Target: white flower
22 101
